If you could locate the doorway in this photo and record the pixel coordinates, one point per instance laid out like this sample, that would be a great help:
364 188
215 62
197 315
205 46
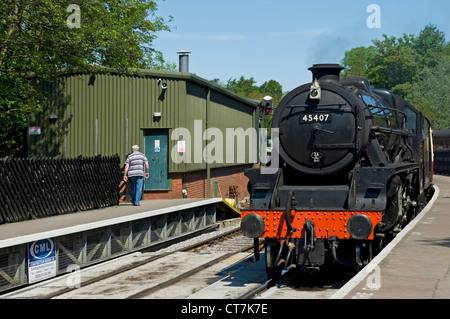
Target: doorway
156 150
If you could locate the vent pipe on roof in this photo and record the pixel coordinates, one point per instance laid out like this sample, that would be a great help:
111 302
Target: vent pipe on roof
184 61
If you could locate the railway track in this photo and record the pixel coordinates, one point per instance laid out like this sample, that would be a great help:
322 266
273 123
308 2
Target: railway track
218 267
303 286
152 274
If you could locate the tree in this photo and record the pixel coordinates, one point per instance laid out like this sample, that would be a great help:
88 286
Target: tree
356 61
248 88
395 63
430 45
244 87
40 38
274 89
415 67
431 93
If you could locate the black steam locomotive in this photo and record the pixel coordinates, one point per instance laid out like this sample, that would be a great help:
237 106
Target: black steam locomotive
354 166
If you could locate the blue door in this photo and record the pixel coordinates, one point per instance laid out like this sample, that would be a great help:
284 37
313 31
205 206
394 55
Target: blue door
156 150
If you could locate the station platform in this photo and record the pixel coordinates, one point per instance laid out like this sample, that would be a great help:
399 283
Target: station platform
416 264
31 230
84 238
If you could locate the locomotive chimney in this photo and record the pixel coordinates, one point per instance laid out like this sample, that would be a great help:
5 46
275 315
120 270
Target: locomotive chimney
326 72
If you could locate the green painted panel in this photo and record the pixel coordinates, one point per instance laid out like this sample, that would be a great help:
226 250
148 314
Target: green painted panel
108 114
156 151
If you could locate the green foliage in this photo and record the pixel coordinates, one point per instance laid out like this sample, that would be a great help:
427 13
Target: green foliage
39 38
431 93
395 65
404 65
244 87
248 88
356 61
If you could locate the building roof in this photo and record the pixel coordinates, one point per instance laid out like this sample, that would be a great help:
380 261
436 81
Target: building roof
170 75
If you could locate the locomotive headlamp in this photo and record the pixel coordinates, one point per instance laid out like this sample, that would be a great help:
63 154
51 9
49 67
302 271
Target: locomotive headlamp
252 225
315 91
359 226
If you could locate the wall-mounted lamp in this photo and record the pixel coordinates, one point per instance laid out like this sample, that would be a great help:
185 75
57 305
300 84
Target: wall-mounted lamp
156 116
163 84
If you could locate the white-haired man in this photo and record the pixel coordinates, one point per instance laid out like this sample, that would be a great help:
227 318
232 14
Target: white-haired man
134 173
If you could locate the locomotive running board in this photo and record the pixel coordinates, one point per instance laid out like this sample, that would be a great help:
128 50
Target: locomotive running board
272 223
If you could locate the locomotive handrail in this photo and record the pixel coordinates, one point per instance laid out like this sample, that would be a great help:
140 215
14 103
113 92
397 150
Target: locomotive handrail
386 108
335 146
333 104
389 130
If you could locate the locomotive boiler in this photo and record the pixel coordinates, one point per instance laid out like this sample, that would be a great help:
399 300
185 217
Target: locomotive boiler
354 166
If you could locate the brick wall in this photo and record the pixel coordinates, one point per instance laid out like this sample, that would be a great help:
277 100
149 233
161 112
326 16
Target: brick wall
226 177
195 183
176 191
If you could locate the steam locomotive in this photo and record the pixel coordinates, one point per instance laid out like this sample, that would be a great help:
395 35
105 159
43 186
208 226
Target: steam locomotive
354 167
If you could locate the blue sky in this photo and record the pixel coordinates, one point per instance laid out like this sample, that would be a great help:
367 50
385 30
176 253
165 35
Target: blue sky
279 40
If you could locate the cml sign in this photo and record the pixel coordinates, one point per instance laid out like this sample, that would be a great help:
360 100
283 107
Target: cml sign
41 260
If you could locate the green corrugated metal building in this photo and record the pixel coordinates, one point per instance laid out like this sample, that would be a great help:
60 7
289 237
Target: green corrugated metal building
162 112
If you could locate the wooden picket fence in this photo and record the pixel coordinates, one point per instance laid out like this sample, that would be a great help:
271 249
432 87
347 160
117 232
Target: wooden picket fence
40 187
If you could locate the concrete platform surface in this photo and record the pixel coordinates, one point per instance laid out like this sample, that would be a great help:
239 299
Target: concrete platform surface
30 230
416 264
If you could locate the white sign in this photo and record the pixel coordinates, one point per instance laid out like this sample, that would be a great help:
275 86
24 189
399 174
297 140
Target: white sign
34 130
181 146
157 146
41 260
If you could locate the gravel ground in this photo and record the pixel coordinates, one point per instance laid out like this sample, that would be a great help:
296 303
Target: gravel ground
199 238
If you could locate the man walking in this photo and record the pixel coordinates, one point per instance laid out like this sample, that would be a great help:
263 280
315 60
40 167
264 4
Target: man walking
134 172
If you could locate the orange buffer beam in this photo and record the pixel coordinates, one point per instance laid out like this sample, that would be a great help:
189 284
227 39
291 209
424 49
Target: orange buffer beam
326 223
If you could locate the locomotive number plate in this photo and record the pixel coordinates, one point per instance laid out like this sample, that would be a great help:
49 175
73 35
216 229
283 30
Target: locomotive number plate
321 117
